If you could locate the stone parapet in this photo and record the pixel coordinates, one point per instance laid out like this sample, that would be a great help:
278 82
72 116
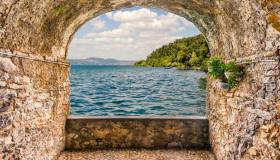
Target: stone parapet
136 132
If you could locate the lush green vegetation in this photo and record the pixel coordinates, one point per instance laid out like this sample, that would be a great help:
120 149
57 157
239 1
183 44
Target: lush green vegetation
193 53
216 67
231 73
184 53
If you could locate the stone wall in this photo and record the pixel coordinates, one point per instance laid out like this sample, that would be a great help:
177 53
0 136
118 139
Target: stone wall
244 121
33 107
84 133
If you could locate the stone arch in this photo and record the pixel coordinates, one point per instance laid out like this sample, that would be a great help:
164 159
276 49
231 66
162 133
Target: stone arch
83 18
34 36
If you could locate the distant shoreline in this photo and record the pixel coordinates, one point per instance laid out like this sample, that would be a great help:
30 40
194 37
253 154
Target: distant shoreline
99 61
186 69
100 65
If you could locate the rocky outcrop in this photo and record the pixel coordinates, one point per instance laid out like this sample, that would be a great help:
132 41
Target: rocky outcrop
244 122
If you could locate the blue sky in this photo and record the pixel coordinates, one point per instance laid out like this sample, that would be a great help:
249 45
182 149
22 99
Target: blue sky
128 34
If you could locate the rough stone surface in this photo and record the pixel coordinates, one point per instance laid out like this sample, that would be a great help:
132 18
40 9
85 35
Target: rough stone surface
105 133
233 28
33 109
244 122
139 155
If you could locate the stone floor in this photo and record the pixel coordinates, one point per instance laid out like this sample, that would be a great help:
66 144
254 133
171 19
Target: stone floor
138 155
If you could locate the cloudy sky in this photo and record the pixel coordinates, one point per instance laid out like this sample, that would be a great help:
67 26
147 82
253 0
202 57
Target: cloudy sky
128 34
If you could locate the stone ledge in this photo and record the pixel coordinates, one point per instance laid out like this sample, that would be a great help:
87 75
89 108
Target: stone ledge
84 133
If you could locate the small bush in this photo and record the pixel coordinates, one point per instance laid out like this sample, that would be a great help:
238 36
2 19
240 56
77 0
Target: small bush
230 73
194 61
231 67
215 67
232 81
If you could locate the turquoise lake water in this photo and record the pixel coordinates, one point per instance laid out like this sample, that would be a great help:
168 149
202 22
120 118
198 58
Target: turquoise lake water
135 91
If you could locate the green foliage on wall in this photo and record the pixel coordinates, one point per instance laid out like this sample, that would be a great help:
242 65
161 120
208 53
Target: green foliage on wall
183 53
216 67
230 72
60 9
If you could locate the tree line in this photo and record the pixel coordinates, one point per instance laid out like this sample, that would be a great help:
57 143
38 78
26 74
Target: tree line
185 53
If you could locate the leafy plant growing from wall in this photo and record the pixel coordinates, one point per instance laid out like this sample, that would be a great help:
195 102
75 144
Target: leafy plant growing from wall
231 73
215 68
232 81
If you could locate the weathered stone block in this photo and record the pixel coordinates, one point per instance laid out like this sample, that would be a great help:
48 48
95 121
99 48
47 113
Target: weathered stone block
272 73
221 85
5 120
270 79
3 84
269 87
4 76
6 102
15 86
7 65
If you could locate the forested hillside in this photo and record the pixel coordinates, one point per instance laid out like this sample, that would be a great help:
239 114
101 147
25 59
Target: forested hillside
184 53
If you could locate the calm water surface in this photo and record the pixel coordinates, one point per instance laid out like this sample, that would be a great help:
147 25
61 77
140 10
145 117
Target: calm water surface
134 91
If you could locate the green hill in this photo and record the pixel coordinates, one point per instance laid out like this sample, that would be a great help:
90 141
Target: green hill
191 52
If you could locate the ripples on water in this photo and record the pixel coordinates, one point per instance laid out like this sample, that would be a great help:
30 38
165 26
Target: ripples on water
134 91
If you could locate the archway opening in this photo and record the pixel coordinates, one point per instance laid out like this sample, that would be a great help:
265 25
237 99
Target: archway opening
110 78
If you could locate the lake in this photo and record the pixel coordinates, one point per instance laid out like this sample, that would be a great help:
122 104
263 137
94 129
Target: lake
135 91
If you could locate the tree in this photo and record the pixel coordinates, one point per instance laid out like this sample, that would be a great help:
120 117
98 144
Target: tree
180 53
181 57
194 61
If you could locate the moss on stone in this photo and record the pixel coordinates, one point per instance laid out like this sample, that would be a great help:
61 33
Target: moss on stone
60 9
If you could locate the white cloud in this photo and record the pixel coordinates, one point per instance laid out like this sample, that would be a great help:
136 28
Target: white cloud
137 34
97 24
